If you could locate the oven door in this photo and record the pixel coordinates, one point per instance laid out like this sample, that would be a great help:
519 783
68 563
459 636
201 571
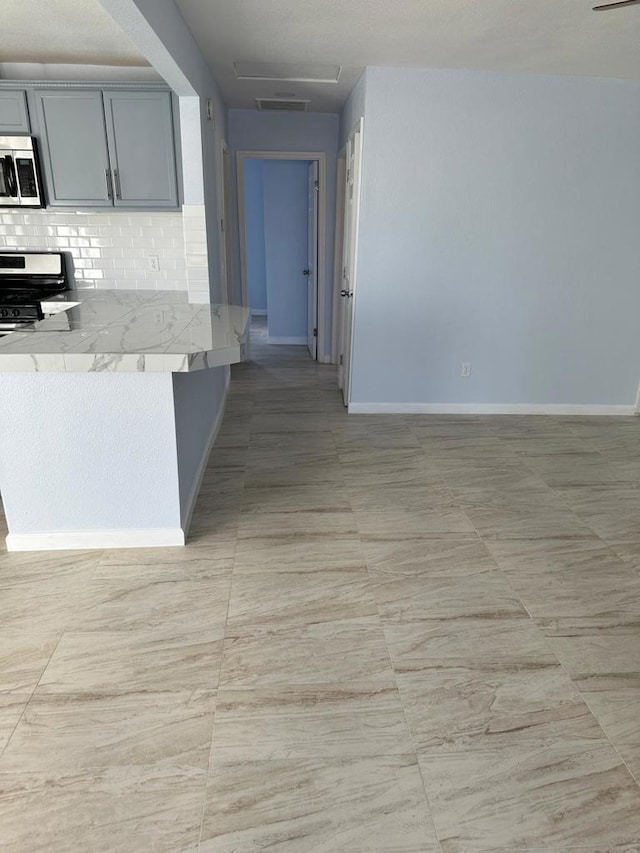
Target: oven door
8 328
19 184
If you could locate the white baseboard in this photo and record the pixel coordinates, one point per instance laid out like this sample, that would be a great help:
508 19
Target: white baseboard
286 341
488 409
258 312
197 482
89 540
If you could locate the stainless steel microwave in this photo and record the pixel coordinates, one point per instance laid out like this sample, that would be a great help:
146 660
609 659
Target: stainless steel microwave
20 184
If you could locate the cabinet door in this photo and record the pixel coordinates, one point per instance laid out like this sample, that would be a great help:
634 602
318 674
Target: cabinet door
14 117
76 164
140 132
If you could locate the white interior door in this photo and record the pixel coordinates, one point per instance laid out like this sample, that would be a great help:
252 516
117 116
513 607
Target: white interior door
312 263
338 263
352 207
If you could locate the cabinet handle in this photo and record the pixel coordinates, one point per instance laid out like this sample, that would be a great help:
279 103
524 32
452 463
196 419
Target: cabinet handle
10 175
118 188
109 187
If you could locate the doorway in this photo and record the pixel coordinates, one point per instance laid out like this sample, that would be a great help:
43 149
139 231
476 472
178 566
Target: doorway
282 214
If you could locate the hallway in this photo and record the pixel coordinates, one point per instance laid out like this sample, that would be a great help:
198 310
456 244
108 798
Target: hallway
387 634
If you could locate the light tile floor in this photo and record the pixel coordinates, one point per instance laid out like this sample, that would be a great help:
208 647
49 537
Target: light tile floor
386 635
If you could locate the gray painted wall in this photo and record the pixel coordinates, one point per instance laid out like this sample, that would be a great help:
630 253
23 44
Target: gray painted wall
104 416
196 403
254 220
250 130
352 110
158 29
499 226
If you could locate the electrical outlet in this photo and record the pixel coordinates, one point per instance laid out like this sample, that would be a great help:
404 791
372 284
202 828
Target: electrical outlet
465 370
154 263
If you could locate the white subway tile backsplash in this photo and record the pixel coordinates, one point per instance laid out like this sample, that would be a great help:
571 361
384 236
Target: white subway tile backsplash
195 247
198 274
198 261
111 250
192 210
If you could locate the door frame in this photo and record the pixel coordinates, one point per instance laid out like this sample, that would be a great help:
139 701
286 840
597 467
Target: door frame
320 156
225 224
338 252
354 226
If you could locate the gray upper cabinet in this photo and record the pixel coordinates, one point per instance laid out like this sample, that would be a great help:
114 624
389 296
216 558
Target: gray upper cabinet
14 117
74 147
105 149
140 133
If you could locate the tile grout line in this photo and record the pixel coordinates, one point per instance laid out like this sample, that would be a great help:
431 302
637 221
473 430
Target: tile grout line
605 544
552 653
544 638
46 666
242 504
213 723
402 704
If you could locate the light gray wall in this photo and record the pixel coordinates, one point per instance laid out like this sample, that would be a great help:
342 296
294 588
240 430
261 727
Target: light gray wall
196 397
213 135
250 130
499 225
352 110
160 32
70 482
254 226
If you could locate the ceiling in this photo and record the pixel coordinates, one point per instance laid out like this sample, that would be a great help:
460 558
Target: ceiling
314 38
71 32
540 36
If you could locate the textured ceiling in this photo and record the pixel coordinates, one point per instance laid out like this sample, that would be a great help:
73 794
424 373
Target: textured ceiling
539 36
73 32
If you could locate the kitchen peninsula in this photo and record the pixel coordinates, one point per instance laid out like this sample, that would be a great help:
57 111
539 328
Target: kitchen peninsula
109 411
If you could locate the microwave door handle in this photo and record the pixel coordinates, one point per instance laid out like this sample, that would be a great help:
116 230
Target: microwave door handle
12 182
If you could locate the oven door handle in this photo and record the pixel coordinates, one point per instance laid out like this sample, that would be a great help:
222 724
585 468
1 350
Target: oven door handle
10 172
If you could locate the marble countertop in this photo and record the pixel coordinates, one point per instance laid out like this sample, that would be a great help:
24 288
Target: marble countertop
127 330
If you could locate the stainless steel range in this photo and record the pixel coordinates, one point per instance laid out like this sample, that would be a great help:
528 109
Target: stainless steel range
26 280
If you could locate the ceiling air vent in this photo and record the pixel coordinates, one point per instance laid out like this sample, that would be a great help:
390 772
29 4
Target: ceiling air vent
282 104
